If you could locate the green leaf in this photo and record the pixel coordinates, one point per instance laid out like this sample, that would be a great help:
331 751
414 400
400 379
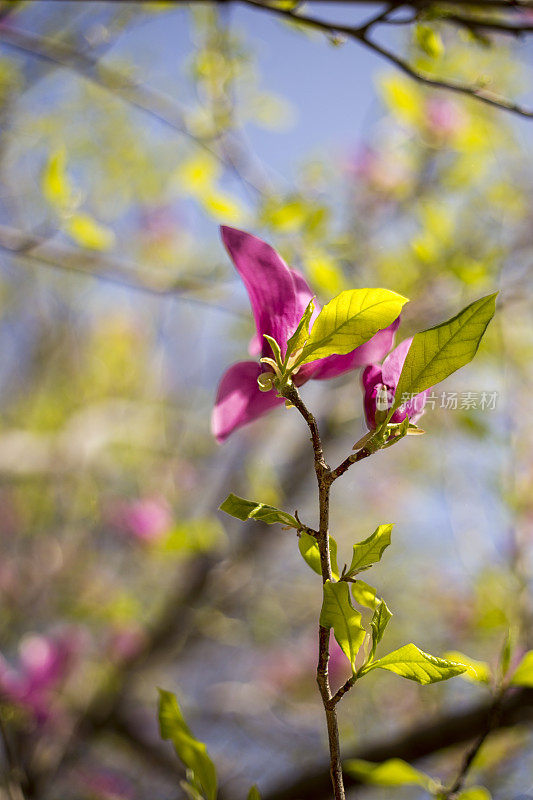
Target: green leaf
506 652
437 352
523 675
412 663
274 346
378 623
370 550
338 613
475 793
476 671
429 41
308 546
243 509
189 750
365 595
350 320
394 772
253 794
301 334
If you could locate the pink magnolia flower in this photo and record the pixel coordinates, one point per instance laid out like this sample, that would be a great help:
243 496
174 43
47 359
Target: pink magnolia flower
145 520
278 296
444 117
379 384
44 663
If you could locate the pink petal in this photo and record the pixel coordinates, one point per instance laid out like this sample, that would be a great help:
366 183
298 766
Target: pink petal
277 295
239 400
392 366
368 353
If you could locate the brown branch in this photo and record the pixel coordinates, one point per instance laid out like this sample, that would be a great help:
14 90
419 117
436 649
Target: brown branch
322 472
360 34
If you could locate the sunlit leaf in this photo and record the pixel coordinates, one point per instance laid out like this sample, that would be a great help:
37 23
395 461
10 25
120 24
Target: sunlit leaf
243 509
412 663
308 547
89 233
429 41
370 550
437 352
476 671
523 675
301 334
223 207
189 750
338 613
475 793
350 320
394 772
378 623
55 182
364 594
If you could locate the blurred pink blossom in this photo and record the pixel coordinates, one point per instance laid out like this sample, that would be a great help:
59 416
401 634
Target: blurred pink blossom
105 785
145 520
44 664
444 117
381 170
126 642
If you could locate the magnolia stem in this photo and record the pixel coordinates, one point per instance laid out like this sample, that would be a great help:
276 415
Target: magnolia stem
324 480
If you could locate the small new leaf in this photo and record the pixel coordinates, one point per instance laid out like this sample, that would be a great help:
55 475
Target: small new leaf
338 613
523 675
412 663
437 352
370 550
253 794
308 546
301 334
274 346
350 320
243 509
378 623
189 750
394 772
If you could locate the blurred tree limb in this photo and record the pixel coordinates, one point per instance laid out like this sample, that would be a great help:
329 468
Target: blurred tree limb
416 743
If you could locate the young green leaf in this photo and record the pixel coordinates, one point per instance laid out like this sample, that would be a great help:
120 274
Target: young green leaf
274 346
437 352
301 334
412 663
253 794
475 793
189 750
523 675
476 671
370 550
338 613
378 623
350 320
308 547
394 772
365 595
243 509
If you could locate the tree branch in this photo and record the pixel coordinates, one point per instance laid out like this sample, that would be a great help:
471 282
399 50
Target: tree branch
416 743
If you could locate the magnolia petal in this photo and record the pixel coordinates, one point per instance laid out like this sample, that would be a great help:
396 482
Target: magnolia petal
393 364
276 296
239 400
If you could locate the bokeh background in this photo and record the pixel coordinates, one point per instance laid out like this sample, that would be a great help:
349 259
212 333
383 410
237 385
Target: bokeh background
128 133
